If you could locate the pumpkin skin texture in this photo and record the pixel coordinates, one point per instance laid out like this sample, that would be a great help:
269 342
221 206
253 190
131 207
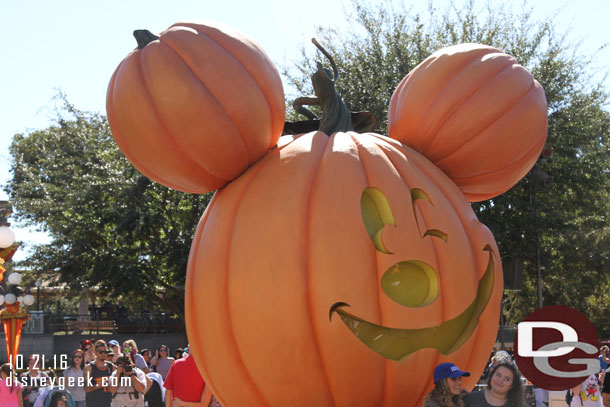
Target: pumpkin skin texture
277 247
195 108
476 113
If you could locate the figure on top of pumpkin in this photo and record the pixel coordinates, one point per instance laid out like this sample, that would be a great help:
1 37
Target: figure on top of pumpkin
306 226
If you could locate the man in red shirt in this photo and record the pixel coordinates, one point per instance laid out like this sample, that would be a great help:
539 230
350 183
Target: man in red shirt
184 384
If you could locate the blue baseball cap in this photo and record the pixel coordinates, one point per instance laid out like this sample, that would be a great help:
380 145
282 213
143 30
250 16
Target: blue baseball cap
113 343
448 370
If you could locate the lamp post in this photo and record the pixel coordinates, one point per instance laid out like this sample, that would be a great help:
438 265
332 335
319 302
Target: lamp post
13 314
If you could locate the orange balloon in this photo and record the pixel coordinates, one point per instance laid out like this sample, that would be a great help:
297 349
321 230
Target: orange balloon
322 222
195 107
476 113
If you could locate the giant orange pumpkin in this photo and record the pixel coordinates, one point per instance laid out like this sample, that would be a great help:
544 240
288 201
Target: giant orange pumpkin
339 269
476 113
195 106
298 233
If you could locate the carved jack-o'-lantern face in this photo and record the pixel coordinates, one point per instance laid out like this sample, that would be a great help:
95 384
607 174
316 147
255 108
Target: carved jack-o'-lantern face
412 283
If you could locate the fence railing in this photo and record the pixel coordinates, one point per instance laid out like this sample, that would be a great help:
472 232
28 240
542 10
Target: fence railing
84 324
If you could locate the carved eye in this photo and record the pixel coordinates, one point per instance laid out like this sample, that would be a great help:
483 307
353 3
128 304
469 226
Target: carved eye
411 283
376 213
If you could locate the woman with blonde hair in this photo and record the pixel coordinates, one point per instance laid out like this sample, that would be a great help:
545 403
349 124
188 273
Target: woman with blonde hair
130 349
447 391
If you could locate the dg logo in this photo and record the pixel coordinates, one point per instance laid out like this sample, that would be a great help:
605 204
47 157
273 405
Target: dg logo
556 347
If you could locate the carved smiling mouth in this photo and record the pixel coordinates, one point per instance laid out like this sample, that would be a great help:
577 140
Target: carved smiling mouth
397 343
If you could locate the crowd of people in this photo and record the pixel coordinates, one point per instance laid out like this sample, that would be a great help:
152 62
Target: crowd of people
104 374
505 387
101 374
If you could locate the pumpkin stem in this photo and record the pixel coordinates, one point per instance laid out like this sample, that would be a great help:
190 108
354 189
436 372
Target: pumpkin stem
335 114
144 37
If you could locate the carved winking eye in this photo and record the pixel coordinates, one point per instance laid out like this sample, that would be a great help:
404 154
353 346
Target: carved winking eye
411 283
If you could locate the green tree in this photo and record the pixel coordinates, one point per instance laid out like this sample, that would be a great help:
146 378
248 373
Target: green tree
569 220
109 225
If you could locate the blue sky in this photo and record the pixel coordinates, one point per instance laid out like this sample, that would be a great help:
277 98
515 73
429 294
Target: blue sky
73 46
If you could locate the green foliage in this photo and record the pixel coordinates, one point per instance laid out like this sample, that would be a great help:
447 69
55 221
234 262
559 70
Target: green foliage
569 220
109 225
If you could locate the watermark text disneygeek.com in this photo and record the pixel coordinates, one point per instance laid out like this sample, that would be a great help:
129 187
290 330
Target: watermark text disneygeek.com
63 382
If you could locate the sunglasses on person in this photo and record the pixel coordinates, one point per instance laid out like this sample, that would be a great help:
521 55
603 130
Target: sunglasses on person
101 351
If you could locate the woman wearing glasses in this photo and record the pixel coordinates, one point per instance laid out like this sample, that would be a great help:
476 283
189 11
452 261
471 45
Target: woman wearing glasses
162 361
76 385
86 346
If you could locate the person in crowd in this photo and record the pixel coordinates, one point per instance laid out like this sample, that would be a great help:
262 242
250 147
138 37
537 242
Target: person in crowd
32 379
154 395
147 356
587 394
606 388
447 391
161 362
184 384
130 349
98 372
504 388
10 388
604 357
75 370
59 400
179 353
115 349
87 346
60 395
127 384
541 396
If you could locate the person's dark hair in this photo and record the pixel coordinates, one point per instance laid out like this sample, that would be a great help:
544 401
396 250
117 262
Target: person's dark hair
179 351
56 397
516 394
82 360
7 369
442 395
124 360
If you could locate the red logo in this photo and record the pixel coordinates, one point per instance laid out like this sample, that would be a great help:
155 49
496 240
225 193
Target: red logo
556 348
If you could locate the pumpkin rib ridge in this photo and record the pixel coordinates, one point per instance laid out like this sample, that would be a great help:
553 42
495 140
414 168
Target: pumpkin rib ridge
232 234
274 123
523 157
458 68
413 160
212 96
117 132
166 131
471 245
462 102
363 165
192 261
465 143
308 215
383 146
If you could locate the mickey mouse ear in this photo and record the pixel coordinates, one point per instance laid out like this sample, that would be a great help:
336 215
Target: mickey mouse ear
195 106
476 113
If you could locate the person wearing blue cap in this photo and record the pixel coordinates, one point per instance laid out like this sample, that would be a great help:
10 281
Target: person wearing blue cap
447 391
